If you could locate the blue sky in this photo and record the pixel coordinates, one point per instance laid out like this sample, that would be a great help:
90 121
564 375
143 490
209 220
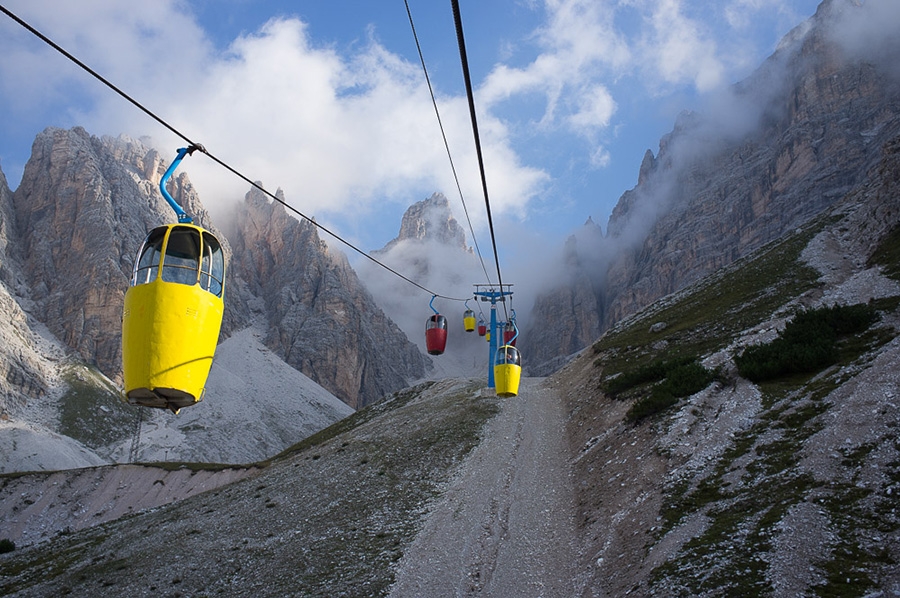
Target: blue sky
327 101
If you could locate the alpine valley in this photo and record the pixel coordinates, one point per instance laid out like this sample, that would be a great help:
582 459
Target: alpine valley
709 408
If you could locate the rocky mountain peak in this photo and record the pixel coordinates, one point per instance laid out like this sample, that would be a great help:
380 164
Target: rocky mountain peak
431 220
320 318
82 210
84 206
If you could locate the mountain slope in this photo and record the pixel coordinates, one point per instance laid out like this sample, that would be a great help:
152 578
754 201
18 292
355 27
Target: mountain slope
780 488
777 488
331 516
320 318
760 160
67 239
257 407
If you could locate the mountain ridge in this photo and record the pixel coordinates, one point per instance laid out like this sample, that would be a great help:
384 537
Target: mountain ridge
758 489
774 150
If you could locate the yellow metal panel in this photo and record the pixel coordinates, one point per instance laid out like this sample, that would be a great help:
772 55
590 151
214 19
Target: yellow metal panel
169 336
506 379
469 324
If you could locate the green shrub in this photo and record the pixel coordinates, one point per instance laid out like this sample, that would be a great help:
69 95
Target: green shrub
807 344
7 545
682 379
651 372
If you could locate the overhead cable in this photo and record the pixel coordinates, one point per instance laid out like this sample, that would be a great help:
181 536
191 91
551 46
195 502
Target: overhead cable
444 136
457 19
221 163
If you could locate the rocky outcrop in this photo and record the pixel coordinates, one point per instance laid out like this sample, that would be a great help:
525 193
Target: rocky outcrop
427 227
430 250
83 207
320 318
571 312
780 147
430 219
796 136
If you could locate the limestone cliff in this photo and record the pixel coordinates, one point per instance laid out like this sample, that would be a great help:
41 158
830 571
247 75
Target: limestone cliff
69 233
569 312
775 150
797 135
83 207
427 226
320 318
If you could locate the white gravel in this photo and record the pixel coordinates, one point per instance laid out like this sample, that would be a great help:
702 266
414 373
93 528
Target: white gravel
505 526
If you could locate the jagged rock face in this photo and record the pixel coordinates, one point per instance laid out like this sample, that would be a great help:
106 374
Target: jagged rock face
321 319
822 120
22 374
7 232
564 317
427 223
77 241
782 146
430 219
85 205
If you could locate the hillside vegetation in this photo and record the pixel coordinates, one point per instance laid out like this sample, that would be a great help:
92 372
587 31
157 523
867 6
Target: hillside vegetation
775 471
687 477
330 516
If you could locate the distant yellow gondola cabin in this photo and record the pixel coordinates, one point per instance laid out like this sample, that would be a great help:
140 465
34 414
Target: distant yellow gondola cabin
507 371
469 320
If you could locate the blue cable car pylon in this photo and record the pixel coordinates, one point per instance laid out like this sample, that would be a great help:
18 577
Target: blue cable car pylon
491 293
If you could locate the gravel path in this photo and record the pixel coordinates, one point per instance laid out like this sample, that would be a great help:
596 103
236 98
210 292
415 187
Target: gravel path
505 526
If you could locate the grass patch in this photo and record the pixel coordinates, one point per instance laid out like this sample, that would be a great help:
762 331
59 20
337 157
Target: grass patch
715 310
92 410
394 401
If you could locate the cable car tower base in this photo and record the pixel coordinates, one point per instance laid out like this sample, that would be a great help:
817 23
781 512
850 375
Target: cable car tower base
495 294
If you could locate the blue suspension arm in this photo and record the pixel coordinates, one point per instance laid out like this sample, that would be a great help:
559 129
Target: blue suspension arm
182 152
431 305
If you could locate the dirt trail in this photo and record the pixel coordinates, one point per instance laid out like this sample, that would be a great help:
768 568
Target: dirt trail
505 526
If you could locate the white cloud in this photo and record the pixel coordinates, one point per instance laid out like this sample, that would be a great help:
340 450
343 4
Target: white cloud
868 31
596 107
578 46
137 46
681 49
348 131
338 133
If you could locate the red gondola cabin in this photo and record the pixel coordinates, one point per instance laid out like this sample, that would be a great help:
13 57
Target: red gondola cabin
436 334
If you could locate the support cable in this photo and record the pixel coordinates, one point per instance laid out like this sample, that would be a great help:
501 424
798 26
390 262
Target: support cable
221 163
457 19
444 136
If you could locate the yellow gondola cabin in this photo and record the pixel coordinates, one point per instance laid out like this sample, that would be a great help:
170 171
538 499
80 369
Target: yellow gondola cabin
173 310
507 371
173 313
469 320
